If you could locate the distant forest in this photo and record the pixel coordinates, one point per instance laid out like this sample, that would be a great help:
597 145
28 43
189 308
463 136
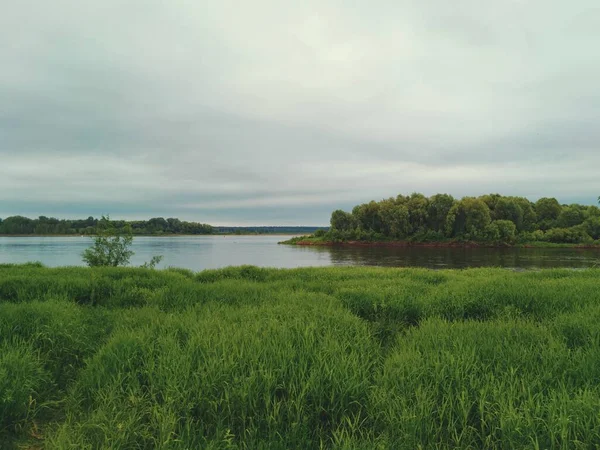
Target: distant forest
490 218
19 225
266 229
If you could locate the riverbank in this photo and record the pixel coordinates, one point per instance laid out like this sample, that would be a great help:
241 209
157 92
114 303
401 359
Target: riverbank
309 241
150 235
245 357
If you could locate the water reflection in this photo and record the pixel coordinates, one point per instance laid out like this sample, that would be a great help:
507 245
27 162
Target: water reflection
440 258
204 252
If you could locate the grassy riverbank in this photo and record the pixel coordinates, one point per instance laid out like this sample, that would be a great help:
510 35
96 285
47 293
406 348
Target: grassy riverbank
350 358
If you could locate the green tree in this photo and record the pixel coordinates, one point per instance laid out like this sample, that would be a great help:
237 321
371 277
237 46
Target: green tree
547 210
395 219
157 225
570 216
592 227
502 231
439 206
367 216
508 209
342 221
468 219
111 246
418 206
529 214
592 211
17 225
491 200
174 225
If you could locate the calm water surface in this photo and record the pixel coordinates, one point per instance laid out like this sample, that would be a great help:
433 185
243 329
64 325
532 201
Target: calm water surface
207 252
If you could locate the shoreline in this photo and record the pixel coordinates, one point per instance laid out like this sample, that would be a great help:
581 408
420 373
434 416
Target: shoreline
151 235
407 244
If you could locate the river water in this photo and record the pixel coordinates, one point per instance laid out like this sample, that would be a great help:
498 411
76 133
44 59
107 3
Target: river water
207 252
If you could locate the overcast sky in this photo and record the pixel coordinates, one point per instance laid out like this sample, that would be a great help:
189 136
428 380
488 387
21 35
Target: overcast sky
278 112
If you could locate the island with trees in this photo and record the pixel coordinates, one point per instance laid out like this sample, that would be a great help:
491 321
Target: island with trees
488 220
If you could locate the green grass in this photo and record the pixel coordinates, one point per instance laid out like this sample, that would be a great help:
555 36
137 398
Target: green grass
335 358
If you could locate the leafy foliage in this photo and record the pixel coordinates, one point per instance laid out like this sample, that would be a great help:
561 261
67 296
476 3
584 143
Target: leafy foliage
16 225
154 261
491 218
111 247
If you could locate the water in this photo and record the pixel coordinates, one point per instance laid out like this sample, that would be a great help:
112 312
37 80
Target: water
207 252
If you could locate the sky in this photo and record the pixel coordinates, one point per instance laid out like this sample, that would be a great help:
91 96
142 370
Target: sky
278 112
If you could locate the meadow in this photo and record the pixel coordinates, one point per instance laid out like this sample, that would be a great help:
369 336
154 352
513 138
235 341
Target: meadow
332 358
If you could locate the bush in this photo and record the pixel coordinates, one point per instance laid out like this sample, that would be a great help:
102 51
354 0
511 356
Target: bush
573 235
110 247
501 231
592 227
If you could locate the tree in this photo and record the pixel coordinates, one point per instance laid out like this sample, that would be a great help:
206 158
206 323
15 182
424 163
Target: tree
367 216
417 206
157 225
592 227
439 206
174 225
111 247
468 219
570 216
341 220
592 211
502 231
395 219
491 200
529 215
17 225
508 209
547 210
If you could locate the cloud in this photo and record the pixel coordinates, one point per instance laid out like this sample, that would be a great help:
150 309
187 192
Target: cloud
277 111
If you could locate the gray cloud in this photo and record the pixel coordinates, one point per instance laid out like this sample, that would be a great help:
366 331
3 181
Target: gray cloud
278 112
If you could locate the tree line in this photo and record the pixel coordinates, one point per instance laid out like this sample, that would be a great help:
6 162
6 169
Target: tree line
489 218
19 225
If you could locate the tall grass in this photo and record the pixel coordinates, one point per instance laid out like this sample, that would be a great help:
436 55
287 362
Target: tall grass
250 358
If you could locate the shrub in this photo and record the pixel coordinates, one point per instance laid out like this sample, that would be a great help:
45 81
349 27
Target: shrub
110 247
501 231
573 235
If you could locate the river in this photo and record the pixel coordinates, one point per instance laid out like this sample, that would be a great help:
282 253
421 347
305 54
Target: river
208 252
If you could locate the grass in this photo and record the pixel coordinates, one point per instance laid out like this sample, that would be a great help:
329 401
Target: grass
334 358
